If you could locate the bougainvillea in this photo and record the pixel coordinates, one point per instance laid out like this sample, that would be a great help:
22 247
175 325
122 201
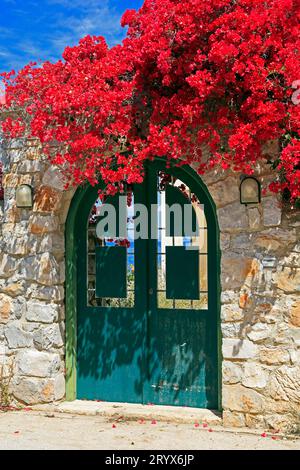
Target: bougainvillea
217 75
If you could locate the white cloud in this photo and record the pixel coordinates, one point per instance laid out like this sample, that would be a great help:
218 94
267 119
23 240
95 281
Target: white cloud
99 21
94 17
62 28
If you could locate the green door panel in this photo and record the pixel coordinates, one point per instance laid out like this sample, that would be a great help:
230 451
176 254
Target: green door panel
110 340
182 352
182 368
110 350
111 271
182 273
148 350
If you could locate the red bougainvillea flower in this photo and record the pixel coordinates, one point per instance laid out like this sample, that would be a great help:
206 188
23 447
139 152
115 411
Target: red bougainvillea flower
207 82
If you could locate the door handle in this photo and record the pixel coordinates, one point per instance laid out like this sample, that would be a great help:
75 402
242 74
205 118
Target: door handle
150 291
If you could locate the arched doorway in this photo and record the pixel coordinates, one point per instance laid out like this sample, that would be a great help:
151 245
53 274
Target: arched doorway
143 313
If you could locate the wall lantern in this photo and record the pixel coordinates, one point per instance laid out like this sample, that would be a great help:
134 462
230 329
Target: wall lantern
249 190
24 196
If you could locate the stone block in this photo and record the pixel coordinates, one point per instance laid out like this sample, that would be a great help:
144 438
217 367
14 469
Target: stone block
20 245
294 318
285 384
255 421
254 376
233 420
5 308
281 422
288 280
31 166
43 269
233 217
231 313
259 332
292 260
42 312
48 337
245 299
33 390
271 211
274 239
59 387
40 224
47 200
33 152
241 399
10 180
225 192
8 265
254 218
272 356
231 372
224 241
238 271
238 349
232 330
54 178
228 297
14 289
54 243
37 364
48 293
16 337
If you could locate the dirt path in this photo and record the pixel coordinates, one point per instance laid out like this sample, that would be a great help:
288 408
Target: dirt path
39 430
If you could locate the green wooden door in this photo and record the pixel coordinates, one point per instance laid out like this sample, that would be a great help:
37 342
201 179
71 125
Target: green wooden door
147 308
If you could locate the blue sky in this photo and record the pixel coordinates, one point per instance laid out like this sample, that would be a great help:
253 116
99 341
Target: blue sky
33 29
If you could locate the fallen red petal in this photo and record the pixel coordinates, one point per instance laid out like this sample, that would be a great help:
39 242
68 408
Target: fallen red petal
264 434
196 425
153 421
205 425
210 430
114 426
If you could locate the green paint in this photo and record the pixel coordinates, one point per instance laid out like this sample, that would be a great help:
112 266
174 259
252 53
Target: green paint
182 273
143 354
111 271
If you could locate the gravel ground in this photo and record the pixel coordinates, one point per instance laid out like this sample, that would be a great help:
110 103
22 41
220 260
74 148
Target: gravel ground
40 430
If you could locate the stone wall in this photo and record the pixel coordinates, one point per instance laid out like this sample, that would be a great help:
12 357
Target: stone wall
32 277
260 314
